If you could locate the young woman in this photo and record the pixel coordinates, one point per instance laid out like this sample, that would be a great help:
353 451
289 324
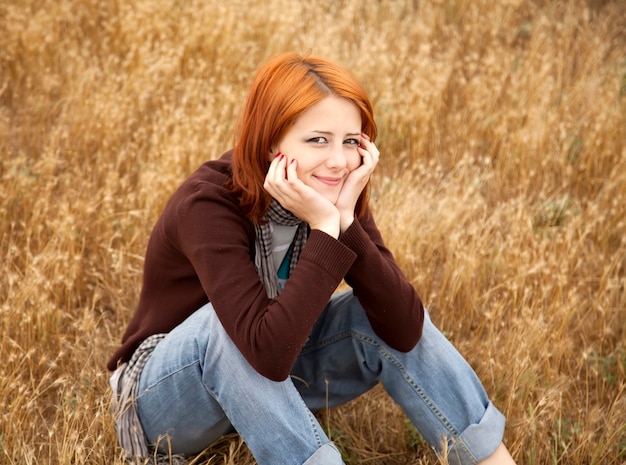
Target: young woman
238 325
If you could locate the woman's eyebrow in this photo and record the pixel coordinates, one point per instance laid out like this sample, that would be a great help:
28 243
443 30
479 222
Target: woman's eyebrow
350 134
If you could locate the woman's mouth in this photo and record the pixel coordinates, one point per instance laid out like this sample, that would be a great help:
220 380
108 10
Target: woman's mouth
329 181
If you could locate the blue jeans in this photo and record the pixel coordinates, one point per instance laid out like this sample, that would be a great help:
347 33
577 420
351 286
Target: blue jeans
197 387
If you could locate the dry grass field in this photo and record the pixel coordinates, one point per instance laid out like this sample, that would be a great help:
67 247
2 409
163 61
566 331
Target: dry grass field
501 191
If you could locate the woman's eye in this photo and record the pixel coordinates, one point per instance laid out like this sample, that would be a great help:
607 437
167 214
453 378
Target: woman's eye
318 140
353 142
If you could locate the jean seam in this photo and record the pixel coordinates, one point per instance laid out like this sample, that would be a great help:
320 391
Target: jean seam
387 356
327 341
459 443
312 422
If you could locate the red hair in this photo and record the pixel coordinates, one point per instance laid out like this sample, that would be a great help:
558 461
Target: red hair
282 90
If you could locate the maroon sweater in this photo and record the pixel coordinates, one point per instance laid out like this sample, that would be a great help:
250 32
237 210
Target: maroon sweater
202 250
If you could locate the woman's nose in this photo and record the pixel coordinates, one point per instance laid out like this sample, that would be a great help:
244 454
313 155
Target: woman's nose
337 157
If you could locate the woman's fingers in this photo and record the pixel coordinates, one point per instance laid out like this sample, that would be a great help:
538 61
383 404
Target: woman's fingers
369 151
275 176
283 184
357 179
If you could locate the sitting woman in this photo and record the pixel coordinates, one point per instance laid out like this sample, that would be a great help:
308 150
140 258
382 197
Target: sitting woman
239 325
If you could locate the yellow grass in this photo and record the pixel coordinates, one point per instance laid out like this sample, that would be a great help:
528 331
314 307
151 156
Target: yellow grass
502 192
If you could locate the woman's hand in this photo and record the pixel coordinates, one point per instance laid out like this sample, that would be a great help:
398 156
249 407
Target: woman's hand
282 183
356 182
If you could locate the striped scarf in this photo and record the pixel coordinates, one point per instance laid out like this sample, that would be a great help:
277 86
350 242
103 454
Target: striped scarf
125 386
263 258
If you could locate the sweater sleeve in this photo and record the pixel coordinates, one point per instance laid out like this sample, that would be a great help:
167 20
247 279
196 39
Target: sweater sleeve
270 333
393 307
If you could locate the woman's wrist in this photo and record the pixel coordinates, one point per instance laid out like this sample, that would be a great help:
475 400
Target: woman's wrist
331 227
345 221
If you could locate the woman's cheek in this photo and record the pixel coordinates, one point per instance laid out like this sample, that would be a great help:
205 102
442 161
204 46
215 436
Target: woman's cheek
354 160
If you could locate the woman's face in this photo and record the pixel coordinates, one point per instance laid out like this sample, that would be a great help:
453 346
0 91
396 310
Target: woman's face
324 141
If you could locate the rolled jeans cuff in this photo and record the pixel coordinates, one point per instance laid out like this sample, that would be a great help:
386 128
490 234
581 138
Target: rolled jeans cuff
328 454
478 441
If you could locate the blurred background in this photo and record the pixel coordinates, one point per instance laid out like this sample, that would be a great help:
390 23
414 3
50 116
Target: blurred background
501 191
